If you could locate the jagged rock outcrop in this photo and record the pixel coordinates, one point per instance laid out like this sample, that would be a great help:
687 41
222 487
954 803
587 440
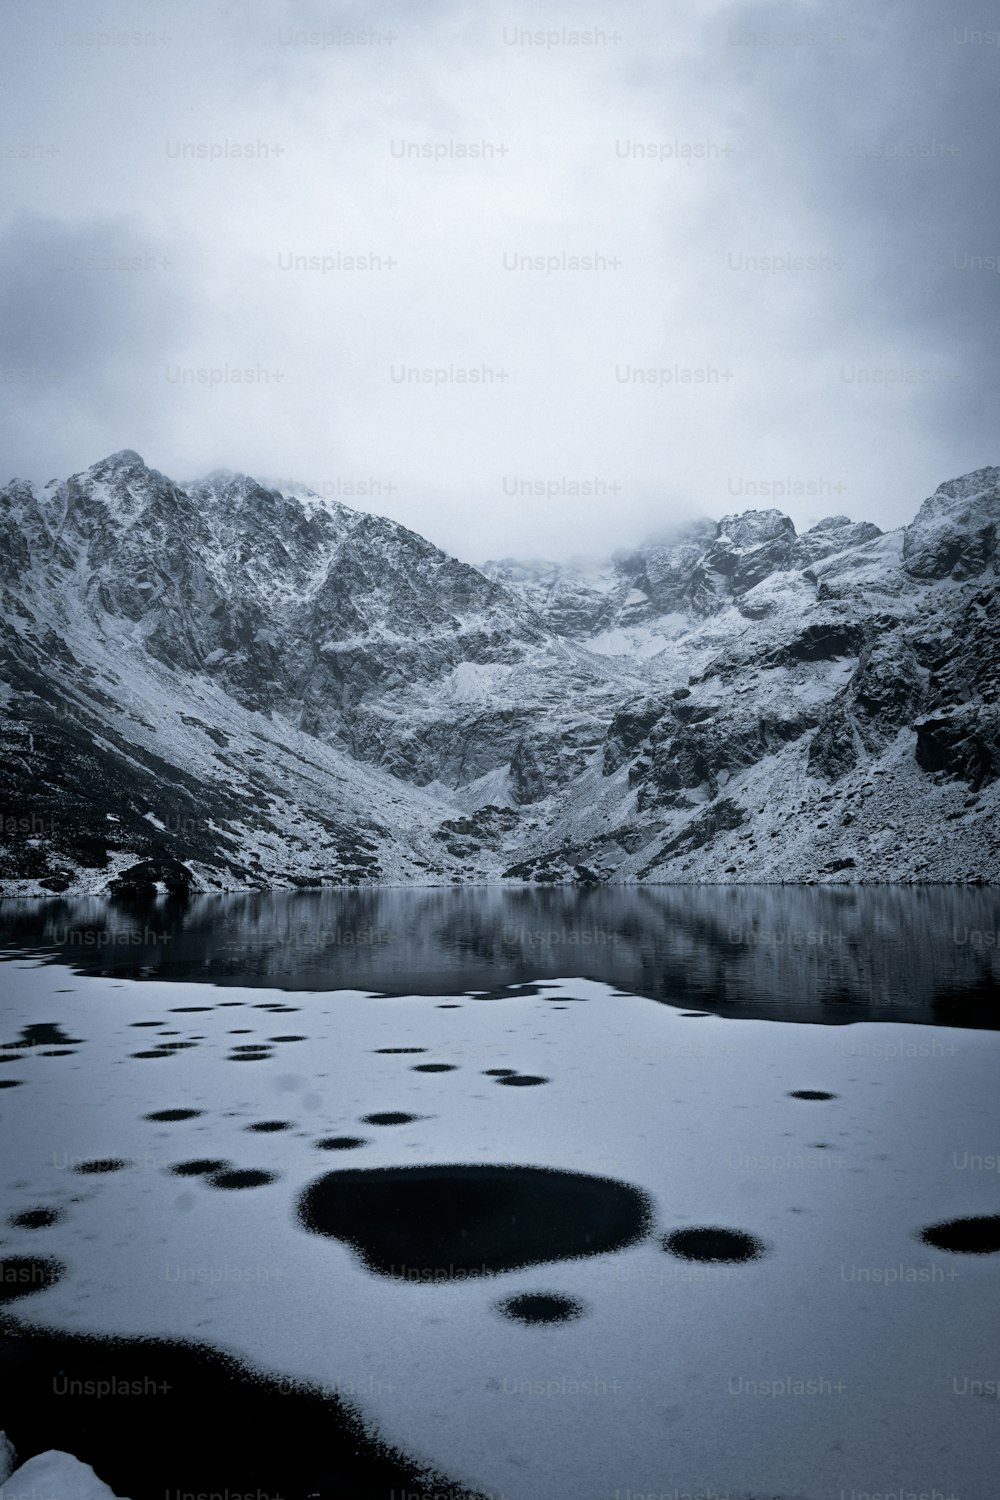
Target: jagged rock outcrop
883 696
954 534
958 733
747 549
662 570
831 535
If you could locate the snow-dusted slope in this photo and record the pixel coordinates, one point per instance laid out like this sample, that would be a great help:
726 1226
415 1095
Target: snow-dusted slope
265 687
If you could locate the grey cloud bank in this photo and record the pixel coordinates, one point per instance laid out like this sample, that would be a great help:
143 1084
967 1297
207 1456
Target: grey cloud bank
799 195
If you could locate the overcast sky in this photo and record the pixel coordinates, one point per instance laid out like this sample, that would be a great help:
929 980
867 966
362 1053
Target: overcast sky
143 262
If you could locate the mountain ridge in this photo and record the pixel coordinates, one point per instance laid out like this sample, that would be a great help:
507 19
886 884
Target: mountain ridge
254 687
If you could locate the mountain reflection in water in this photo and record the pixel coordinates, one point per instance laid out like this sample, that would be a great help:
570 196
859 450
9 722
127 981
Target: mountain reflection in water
920 954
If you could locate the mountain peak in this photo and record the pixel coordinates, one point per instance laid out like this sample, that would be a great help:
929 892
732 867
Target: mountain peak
125 458
979 482
752 527
830 523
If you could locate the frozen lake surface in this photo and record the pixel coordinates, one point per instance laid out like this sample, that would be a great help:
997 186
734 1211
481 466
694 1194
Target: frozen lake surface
659 1192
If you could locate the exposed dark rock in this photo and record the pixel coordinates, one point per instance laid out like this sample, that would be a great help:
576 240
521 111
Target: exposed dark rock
542 764
882 697
746 550
719 818
963 742
822 641
707 749
836 746
152 875
627 730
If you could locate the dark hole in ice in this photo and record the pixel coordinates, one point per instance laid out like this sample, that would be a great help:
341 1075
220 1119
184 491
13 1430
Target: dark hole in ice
147 1023
200 1167
264 1127
177 1010
247 1177
102 1164
397 1050
23 1275
12 1057
713 1244
540 1308
693 1015
811 1094
340 1142
36 1218
288 1038
251 1047
434 1223
46 1034
249 1056
390 1117
166 1049
173 1114
521 1080
11 1083
498 1072
434 1067
976 1236
291 1439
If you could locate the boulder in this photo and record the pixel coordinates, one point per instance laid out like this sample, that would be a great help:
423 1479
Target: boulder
55 1474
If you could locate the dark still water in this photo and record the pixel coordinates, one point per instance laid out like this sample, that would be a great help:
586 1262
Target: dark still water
524 1193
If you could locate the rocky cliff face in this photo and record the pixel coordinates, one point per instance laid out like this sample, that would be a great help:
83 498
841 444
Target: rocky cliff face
229 685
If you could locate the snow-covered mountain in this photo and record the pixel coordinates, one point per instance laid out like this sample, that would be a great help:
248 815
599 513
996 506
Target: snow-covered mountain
232 685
